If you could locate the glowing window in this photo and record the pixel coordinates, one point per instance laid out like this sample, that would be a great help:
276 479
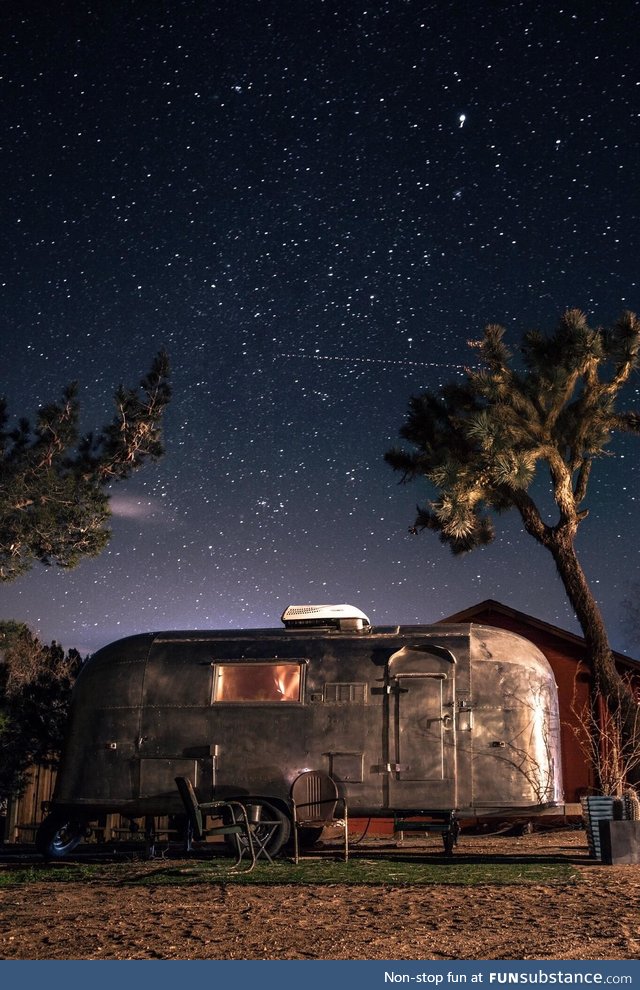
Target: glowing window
264 682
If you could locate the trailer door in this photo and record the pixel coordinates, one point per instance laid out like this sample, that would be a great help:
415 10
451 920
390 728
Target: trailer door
422 727
173 738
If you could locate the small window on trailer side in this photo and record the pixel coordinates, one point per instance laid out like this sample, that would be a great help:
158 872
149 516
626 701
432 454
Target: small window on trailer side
267 682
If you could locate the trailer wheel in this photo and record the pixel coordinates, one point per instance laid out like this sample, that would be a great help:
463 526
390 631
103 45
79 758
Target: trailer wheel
270 827
57 837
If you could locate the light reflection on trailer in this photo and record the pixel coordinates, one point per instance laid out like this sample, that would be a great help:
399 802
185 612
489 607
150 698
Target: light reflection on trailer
407 720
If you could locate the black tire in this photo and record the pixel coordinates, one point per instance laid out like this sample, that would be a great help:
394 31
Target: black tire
57 837
266 820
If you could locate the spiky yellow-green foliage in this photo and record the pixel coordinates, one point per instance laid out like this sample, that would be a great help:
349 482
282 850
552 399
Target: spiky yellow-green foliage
481 444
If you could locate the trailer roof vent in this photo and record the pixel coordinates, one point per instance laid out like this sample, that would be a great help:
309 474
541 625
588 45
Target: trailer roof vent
346 618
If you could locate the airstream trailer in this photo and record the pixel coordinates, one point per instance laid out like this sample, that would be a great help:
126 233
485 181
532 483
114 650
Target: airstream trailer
407 720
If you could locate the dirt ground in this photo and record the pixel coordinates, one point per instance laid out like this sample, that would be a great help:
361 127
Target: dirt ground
597 917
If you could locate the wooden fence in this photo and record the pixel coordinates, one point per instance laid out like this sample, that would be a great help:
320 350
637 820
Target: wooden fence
24 814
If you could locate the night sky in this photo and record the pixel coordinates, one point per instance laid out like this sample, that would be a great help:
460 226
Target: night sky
313 206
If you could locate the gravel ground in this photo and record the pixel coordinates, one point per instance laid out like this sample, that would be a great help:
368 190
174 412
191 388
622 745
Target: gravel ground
596 916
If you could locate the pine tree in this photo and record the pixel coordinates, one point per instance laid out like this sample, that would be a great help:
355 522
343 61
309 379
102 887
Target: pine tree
481 443
54 500
35 691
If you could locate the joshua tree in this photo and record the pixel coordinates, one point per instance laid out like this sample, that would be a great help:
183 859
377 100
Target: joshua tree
481 443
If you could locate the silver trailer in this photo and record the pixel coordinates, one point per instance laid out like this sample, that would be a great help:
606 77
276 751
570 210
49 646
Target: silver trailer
411 722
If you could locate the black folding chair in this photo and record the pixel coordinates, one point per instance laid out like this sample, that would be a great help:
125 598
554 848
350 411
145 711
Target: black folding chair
236 824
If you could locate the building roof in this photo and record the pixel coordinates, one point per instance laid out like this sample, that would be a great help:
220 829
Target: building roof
473 613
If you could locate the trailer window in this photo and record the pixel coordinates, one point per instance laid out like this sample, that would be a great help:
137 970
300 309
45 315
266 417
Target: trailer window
267 682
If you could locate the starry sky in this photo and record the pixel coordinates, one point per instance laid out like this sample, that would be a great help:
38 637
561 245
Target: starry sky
313 205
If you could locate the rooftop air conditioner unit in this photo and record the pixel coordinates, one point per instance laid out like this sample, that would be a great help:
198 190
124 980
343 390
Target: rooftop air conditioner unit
346 618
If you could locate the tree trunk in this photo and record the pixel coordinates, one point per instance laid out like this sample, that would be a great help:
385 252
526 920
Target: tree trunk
607 680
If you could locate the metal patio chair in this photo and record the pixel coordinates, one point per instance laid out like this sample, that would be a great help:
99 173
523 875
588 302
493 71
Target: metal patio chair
314 802
233 814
